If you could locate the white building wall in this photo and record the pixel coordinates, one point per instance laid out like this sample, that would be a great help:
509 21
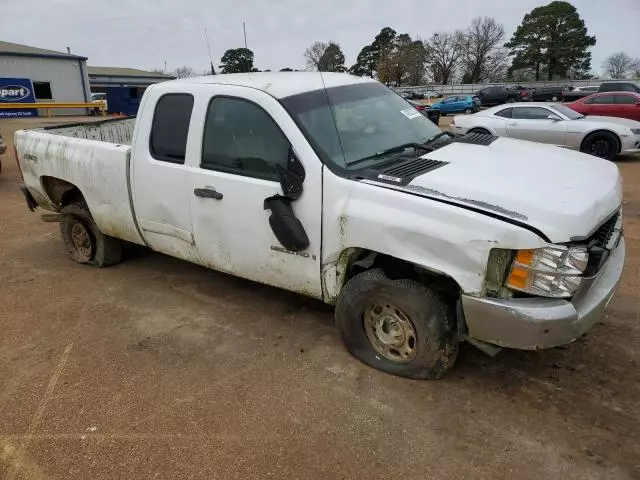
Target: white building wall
66 77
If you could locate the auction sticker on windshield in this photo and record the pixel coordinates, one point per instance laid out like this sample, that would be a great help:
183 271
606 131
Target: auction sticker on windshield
411 113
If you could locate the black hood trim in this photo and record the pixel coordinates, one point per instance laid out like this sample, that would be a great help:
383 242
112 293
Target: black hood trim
486 213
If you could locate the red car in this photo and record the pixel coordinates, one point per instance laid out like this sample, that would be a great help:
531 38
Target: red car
609 104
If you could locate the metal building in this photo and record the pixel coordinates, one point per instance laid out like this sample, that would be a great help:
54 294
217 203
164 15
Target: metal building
123 86
55 76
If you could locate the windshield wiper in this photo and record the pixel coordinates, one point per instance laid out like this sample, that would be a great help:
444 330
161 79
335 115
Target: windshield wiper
388 151
439 135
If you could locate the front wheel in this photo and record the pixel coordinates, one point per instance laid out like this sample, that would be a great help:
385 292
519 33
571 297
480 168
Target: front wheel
84 241
554 98
400 327
468 111
601 144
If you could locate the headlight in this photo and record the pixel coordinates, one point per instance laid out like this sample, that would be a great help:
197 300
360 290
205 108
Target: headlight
635 131
551 271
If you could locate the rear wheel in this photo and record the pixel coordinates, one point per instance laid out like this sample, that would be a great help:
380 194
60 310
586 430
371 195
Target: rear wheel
398 326
554 98
84 241
601 144
467 111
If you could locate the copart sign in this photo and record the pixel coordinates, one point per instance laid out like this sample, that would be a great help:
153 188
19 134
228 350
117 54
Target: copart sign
17 90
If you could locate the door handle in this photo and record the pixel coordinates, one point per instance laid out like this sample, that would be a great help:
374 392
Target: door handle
514 124
208 192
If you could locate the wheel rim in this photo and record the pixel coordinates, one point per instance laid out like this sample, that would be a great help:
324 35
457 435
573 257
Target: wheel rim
81 241
468 110
600 147
391 333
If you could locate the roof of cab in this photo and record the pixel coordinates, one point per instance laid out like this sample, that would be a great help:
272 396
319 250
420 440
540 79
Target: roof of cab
278 84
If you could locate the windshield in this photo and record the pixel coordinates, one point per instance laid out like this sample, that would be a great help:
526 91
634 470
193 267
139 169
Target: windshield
567 112
349 124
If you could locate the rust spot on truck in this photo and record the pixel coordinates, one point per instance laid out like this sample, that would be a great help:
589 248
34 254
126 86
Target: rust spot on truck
478 203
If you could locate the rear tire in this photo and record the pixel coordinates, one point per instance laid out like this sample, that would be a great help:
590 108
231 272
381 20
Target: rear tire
468 111
85 243
601 144
400 327
554 98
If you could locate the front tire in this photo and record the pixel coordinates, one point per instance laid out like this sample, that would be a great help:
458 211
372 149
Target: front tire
400 327
601 144
85 243
468 111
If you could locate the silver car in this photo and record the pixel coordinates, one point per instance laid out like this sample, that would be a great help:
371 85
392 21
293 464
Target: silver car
604 137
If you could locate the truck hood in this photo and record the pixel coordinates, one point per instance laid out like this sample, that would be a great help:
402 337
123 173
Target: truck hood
564 194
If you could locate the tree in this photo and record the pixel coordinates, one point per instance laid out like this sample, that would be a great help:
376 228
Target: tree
369 57
332 59
481 45
553 36
314 54
617 65
237 60
442 51
635 68
286 69
365 63
184 72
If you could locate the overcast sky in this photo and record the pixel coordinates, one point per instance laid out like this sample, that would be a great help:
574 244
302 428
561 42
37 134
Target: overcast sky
146 33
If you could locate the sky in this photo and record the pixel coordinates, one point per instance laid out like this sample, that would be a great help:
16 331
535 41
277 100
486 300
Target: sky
145 34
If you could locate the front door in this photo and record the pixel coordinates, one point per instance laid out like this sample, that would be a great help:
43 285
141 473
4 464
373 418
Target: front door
246 134
532 123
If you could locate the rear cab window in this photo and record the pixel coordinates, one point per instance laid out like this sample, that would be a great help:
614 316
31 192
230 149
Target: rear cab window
170 127
505 113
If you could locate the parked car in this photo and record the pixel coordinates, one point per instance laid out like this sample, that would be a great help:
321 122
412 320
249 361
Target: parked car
421 240
491 96
99 98
619 87
412 95
457 103
524 93
603 88
431 94
555 124
549 94
428 111
3 148
588 88
615 104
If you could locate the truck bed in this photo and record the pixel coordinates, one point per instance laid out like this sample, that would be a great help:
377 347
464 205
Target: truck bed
94 157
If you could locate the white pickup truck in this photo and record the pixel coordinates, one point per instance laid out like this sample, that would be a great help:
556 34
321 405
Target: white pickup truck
335 187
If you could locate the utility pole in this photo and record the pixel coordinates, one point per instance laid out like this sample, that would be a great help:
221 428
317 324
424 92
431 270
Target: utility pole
165 67
244 29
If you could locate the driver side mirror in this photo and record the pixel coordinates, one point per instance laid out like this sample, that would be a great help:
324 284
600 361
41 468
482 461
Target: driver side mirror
292 177
554 118
284 224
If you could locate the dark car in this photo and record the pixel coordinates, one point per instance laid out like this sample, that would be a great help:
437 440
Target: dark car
432 114
411 95
524 93
491 96
549 94
619 87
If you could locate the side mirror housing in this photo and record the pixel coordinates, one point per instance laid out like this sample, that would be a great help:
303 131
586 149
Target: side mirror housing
284 224
292 177
553 118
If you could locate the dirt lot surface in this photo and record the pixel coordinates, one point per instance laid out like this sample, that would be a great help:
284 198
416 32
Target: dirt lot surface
157 368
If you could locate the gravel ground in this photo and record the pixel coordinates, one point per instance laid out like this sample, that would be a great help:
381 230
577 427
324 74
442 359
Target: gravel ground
157 368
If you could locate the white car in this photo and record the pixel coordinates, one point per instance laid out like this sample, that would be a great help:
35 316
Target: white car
556 124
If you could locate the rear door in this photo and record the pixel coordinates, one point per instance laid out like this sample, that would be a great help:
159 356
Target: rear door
246 135
602 105
627 106
532 123
159 175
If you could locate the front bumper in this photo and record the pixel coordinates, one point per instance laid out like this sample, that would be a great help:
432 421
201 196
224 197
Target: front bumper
536 323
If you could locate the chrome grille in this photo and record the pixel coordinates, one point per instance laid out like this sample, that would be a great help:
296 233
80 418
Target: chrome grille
607 235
